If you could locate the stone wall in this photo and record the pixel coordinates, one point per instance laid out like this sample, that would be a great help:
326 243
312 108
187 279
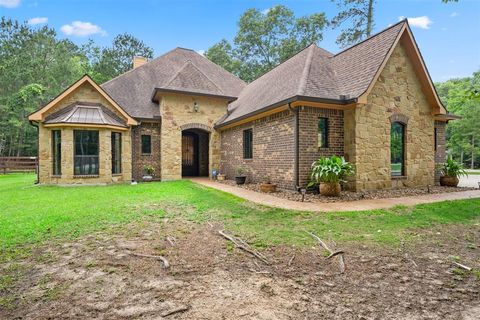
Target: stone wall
273 150
308 138
140 160
178 113
367 129
441 148
67 155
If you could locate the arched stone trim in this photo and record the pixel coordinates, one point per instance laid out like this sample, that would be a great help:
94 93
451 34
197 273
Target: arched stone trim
398 117
196 126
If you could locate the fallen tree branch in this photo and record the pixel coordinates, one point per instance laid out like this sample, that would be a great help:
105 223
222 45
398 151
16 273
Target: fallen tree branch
172 241
164 260
291 260
462 266
176 310
341 261
239 243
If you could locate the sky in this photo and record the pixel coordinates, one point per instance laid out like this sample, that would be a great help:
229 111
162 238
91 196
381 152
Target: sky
447 34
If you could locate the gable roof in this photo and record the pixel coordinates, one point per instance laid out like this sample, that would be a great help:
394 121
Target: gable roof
39 115
315 74
179 70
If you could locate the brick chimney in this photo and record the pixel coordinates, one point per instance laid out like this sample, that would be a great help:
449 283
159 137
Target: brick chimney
139 61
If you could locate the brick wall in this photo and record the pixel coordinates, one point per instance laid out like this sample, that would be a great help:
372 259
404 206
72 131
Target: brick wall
308 138
440 152
273 150
139 160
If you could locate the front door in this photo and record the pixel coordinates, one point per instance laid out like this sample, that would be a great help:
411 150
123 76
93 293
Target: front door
189 154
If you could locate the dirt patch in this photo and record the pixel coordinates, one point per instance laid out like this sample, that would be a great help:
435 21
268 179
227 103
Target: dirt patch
350 195
97 277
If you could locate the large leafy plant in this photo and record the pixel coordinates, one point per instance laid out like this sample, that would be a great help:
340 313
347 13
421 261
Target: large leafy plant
452 168
330 170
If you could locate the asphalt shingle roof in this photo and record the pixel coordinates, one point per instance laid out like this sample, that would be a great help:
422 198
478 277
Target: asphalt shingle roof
180 69
317 73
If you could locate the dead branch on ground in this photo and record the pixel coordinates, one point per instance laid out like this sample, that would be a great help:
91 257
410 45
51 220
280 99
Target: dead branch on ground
462 266
172 241
291 260
176 310
239 243
164 260
339 253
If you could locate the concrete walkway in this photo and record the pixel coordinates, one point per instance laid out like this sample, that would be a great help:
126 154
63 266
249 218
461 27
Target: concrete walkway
359 205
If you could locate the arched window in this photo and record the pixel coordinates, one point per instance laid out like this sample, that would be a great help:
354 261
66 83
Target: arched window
397 149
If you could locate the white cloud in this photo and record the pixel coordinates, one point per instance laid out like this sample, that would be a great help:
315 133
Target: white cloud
453 14
82 29
9 3
37 20
423 22
266 11
202 52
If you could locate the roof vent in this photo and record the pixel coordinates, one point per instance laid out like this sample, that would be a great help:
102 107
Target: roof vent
344 96
139 61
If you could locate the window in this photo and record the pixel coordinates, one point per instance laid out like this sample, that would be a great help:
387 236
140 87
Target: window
116 153
57 152
86 152
397 149
146 144
323 132
248 144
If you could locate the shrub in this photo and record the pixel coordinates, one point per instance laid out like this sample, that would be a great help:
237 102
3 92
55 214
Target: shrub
149 170
330 170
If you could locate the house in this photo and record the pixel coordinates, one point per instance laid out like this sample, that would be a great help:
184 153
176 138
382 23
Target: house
373 103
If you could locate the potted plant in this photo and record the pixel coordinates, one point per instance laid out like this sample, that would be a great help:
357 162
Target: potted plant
267 186
220 177
451 171
149 171
240 176
329 172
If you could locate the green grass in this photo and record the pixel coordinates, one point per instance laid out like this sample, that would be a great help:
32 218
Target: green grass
32 214
473 172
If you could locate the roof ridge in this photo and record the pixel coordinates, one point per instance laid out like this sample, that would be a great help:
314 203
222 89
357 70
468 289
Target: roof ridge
306 71
372 36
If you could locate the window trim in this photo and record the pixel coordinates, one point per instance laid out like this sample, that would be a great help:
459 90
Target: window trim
150 144
56 154
97 156
327 133
119 156
404 147
247 154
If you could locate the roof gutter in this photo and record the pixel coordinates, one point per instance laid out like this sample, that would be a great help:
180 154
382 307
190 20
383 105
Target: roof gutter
286 102
193 93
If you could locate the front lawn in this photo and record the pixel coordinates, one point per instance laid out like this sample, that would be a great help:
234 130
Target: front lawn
31 214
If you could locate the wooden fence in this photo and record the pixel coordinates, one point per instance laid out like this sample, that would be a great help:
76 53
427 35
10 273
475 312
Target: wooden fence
15 164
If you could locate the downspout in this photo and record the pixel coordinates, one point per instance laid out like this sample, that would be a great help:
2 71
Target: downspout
296 164
38 151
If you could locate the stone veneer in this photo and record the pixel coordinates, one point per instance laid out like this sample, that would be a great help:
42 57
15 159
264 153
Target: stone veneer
178 114
273 150
140 160
397 93
87 94
67 154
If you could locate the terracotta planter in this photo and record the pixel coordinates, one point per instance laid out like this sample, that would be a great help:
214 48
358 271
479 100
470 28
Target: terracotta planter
220 177
268 187
448 181
330 189
240 180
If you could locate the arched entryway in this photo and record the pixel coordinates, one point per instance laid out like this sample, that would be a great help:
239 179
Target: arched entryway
195 152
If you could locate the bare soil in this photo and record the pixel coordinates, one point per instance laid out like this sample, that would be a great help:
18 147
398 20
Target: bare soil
350 195
97 277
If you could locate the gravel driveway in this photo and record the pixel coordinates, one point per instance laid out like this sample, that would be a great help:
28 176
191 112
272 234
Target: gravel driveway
472 180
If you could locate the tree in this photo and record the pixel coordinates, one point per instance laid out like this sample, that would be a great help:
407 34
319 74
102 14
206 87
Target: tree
266 40
117 59
360 13
459 96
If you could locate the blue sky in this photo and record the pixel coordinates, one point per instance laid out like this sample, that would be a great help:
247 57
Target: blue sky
447 34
